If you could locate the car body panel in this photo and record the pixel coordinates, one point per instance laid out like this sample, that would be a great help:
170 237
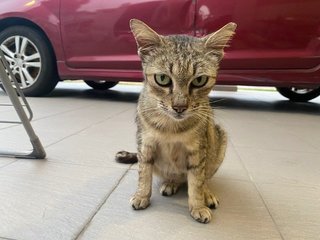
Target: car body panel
276 44
271 34
42 13
96 34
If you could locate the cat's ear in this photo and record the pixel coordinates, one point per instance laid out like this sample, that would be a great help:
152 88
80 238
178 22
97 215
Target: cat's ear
146 38
217 41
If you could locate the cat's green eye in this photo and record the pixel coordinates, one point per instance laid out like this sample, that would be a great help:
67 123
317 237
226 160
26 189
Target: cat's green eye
200 81
162 80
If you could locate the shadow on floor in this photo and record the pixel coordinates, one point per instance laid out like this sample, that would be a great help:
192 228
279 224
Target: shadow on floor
270 106
220 102
110 95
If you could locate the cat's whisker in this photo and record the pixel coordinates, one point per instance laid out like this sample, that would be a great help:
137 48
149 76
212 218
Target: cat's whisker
215 101
203 114
207 107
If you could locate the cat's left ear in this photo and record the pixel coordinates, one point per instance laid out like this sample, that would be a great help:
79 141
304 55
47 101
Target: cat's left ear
217 41
146 38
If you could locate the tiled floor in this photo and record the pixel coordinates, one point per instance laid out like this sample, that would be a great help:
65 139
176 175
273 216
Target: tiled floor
269 184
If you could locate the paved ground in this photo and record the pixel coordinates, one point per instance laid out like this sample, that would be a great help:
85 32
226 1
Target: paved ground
268 185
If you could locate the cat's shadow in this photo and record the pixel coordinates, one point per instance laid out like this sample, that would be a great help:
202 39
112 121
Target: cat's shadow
233 195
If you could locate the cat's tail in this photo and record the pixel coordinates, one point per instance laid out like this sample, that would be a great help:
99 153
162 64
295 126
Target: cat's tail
126 157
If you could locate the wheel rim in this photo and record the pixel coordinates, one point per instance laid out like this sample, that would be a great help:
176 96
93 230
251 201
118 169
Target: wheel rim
23 58
301 90
100 82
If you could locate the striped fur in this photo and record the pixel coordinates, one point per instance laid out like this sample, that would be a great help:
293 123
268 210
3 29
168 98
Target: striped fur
177 137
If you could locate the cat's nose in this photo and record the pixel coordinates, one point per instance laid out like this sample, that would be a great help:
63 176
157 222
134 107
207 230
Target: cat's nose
180 108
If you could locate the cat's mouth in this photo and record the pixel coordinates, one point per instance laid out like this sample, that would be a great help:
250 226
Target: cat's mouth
179 116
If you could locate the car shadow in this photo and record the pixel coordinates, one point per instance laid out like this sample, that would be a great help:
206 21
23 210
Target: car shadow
90 94
217 102
268 106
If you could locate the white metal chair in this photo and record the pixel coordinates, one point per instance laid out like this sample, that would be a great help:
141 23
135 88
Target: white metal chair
14 92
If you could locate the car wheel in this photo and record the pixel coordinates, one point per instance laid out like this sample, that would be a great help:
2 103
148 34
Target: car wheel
299 94
30 58
101 85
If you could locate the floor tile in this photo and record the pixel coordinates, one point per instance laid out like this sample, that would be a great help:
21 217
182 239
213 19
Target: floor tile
99 143
242 215
266 166
301 125
53 129
309 133
5 161
268 185
232 167
63 125
257 133
295 209
15 139
43 200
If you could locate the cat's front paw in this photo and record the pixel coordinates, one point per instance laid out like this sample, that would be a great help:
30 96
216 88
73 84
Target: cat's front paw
201 214
168 188
139 203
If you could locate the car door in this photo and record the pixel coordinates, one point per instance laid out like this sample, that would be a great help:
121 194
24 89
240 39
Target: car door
96 34
271 34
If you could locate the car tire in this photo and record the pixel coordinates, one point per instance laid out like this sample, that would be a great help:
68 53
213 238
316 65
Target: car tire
299 94
101 85
32 62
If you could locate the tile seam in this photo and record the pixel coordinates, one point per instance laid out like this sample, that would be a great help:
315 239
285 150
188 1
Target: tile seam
86 128
260 195
87 224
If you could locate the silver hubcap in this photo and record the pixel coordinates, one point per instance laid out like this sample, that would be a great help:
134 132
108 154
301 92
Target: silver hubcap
301 90
23 58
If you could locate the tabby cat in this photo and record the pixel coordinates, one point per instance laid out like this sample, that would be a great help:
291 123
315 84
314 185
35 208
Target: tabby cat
177 137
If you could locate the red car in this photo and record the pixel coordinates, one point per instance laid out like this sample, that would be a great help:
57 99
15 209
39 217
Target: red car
277 42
